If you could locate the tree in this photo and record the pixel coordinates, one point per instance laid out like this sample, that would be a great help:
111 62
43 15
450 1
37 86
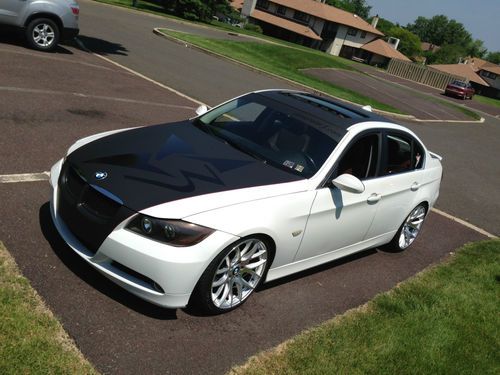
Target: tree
493 57
476 49
383 24
409 44
197 10
439 30
358 7
447 54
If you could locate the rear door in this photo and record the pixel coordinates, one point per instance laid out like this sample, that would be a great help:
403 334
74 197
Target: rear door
10 11
400 177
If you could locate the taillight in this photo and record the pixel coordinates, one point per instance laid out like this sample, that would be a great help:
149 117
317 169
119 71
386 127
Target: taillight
76 11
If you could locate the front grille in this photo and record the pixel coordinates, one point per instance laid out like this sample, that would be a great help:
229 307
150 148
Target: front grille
90 215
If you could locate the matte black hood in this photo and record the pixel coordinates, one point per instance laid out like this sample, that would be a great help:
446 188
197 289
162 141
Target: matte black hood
157 164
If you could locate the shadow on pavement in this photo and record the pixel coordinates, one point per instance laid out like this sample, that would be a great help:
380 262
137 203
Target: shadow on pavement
15 37
317 269
103 47
92 277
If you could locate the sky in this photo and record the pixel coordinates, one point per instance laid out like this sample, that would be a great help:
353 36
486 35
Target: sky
481 18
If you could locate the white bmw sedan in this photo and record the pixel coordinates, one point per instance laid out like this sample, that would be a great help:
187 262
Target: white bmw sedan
265 185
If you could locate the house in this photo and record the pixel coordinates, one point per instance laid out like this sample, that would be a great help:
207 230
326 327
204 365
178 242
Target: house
379 52
491 74
468 73
311 23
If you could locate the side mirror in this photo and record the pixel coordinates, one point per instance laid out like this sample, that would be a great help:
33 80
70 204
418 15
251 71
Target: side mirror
349 183
201 110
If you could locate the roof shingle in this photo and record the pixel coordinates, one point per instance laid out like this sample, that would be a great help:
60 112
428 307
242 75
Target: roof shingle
382 48
285 24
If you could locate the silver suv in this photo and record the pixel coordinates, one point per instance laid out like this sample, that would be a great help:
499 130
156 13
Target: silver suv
45 22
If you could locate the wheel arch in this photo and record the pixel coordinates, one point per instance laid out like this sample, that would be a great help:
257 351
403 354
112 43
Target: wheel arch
50 16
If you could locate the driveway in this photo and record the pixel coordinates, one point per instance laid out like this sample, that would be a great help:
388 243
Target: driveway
424 89
421 106
79 94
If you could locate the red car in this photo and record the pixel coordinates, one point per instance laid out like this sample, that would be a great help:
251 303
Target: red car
461 89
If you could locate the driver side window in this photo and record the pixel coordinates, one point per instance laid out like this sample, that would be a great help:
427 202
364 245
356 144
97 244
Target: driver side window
361 158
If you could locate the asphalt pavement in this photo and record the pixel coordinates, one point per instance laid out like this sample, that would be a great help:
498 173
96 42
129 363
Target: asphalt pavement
47 101
422 107
470 151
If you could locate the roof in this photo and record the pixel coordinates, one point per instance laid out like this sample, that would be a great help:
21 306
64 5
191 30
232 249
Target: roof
329 13
462 70
476 62
426 46
382 48
491 68
285 24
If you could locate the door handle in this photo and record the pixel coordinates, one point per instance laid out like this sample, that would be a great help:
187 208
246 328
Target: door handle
415 186
374 198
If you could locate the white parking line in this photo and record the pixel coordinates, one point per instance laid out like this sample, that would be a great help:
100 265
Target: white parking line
100 97
24 177
80 43
464 223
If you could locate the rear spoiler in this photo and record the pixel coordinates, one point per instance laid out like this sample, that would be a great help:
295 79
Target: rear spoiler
436 156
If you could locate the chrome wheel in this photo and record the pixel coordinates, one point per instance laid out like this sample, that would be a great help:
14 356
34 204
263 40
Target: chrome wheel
411 227
239 273
43 35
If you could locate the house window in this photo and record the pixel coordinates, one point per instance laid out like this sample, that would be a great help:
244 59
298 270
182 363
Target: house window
301 16
352 31
281 10
363 34
264 4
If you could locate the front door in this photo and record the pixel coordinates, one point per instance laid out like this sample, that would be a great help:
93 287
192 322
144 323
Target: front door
339 218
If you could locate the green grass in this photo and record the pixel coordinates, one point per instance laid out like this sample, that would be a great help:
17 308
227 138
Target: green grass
486 100
445 320
285 62
468 112
32 341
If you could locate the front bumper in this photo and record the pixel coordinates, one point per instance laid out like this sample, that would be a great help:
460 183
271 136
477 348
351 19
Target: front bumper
156 272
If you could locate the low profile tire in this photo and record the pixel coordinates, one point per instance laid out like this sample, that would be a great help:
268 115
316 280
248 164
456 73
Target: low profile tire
43 34
409 230
233 276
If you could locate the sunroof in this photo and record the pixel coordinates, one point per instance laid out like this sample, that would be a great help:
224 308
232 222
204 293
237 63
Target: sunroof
329 106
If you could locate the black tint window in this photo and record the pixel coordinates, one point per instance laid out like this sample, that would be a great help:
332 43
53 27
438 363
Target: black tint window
361 158
403 154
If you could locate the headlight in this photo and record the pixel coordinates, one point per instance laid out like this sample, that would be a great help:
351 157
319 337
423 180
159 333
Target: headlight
173 232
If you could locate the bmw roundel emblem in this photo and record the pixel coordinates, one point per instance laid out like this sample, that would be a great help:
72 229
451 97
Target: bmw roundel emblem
101 175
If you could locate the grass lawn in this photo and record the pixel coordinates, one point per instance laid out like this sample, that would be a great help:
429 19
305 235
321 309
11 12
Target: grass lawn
486 100
285 62
445 320
32 341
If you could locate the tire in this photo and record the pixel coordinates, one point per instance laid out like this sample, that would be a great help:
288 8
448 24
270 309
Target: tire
233 276
409 230
43 34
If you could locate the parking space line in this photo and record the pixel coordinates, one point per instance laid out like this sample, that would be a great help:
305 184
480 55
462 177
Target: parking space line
82 46
82 95
464 223
24 177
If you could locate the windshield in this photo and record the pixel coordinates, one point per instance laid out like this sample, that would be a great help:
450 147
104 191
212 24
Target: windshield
274 132
459 83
